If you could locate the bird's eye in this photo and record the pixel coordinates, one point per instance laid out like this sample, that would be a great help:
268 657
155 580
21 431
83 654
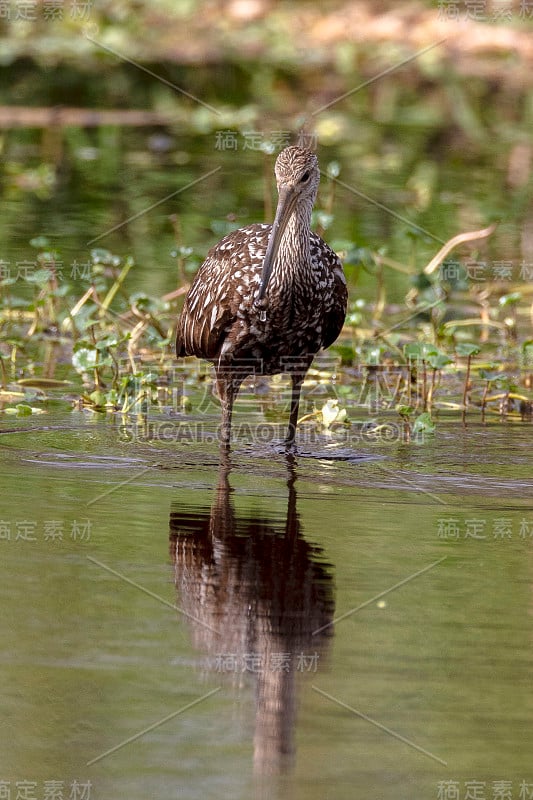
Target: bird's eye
305 177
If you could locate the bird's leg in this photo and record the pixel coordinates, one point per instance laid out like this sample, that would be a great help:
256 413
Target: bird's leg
227 394
227 388
297 380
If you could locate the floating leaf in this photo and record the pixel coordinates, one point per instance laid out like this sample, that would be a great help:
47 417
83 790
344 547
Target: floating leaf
423 424
24 410
43 383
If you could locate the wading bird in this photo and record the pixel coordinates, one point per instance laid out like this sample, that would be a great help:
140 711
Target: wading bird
267 298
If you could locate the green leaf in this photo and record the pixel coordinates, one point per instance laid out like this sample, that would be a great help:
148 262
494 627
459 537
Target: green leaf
323 219
467 349
40 242
490 375
424 424
182 252
421 281
61 291
333 169
439 360
342 245
24 410
107 341
40 276
98 398
354 319
373 355
420 350
142 301
223 226
404 411
48 257
101 256
510 299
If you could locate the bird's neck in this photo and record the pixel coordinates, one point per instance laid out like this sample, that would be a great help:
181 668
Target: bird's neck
295 249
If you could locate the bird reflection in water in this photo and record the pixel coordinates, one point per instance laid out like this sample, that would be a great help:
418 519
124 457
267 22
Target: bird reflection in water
255 592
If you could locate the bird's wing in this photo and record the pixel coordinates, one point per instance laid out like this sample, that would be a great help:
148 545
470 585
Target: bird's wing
216 292
205 314
336 298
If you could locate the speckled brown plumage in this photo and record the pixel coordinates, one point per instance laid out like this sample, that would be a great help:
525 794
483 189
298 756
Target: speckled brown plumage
267 298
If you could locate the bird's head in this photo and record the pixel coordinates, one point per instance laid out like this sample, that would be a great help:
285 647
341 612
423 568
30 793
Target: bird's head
297 177
297 172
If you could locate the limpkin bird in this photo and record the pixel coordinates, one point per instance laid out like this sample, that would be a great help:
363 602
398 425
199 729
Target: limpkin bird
267 298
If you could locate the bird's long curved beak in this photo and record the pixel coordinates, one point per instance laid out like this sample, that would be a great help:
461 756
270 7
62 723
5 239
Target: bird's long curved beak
286 202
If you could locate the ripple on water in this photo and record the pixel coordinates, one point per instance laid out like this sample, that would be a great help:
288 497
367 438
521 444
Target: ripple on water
69 460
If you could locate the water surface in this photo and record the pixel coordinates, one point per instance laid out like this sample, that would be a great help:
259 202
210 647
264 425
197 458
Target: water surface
318 625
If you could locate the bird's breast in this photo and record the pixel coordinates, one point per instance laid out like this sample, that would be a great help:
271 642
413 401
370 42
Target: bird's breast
287 330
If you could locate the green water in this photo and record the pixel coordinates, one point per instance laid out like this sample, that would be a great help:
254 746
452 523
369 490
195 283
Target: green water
414 560
111 188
